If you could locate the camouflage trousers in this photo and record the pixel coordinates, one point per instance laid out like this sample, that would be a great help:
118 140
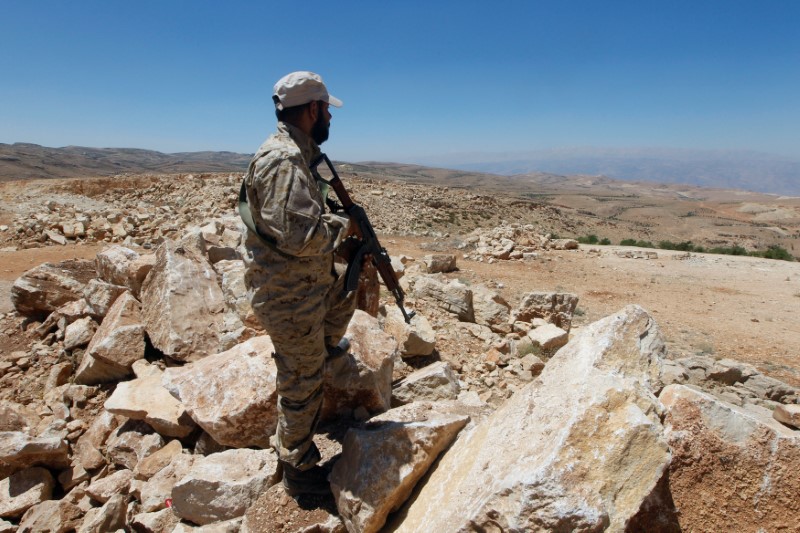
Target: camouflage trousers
302 323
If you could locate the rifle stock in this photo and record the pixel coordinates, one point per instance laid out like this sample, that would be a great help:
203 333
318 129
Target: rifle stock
369 240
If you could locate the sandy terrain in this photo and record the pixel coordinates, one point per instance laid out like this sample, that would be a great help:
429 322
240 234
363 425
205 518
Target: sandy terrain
742 308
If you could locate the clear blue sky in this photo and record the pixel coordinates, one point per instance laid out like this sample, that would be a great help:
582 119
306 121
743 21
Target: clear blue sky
417 78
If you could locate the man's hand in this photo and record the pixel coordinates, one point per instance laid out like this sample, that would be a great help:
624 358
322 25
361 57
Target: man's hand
348 248
354 230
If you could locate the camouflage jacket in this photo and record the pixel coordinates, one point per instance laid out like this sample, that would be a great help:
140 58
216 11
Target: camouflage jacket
287 205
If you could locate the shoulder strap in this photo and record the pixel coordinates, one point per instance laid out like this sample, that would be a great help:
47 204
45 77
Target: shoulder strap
247 218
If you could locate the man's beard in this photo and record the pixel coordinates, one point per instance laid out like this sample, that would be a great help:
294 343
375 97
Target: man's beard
320 130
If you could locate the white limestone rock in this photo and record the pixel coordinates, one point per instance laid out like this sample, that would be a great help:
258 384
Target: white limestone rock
788 414
132 442
19 450
24 489
146 399
104 488
439 263
381 463
117 344
155 522
119 265
43 289
86 450
182 304
53 516
491 309
110 517
454 297
234 289
556 308
222 486
434 382
231 395
414 339
363 377
79 333
154 492
548 337
100 296
578 449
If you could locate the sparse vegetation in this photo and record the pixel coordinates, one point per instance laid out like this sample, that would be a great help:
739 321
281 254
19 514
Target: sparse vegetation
772 252
634 242
593 239
526 349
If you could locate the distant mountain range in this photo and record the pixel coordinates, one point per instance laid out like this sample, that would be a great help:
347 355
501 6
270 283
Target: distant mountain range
746 170
31 161
715 169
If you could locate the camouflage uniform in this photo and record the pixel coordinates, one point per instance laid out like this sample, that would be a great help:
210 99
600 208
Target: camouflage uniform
294 290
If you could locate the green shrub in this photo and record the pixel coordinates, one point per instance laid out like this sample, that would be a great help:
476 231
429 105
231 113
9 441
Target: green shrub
777 252
634 242
605 241
589 239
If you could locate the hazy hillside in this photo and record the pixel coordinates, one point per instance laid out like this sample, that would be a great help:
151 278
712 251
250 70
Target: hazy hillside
719 169
31 161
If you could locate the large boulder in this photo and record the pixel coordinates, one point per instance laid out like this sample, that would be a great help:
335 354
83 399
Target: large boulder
231 395
19 450
146 399
453 296
414 339
119 265
43 289
491 309
115 346
557 308
381 463
579 449
437 263
182 304
363 377
731 465
222 486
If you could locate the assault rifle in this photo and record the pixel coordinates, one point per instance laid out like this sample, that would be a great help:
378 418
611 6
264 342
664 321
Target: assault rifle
369 241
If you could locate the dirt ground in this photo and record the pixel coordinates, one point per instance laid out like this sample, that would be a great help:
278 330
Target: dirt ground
743 308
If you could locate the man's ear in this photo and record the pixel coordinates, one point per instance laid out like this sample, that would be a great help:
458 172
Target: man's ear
313 109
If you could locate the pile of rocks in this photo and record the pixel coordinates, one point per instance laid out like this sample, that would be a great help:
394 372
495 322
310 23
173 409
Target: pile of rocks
143 210
511 242
142 215
148 395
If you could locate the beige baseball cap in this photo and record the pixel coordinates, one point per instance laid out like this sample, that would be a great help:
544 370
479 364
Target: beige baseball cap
300 88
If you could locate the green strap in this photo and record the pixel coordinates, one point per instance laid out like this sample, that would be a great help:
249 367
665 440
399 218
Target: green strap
247 218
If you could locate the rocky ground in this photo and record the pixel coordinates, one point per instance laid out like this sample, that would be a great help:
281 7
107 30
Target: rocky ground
109 411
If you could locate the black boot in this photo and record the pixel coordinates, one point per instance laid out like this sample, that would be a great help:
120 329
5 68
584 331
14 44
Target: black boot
335 352
311 481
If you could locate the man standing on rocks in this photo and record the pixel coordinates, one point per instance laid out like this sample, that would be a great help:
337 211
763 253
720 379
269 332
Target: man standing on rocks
292 284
